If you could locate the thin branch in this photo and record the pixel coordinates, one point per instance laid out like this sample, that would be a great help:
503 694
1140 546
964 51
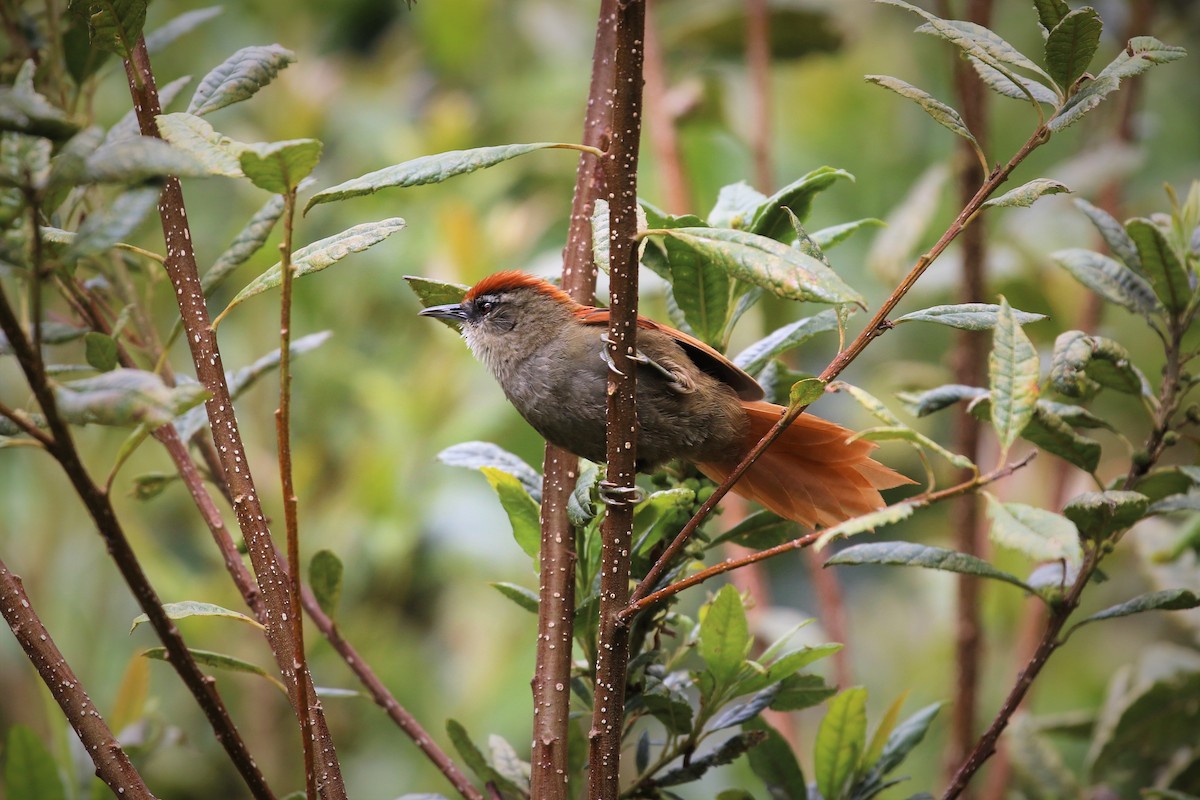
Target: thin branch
621 163
876 327
22 421
664 138
206 356
923 501
758 60
112 762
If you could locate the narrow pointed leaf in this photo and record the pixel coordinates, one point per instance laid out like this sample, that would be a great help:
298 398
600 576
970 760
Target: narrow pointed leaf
967 316
834 235
320 255
764 262
125 397
523 512
867 523
239 77
115 25
921 404
525 598
600 235
1166 600
1071 45
215 660
1039 534
192 608
185 23
280 166
217 153
790 336
1114 233
983 43
109 224
775 764
726 753
1028 194
248 242
725 635
907 735
910 554
769 218
139 159
1009 84
476 455
1013 369
840 741
1160 263
941 113
325 577
426 169
1110 279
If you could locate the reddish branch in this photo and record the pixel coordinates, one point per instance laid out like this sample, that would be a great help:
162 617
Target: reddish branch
112 763
620 164
272 577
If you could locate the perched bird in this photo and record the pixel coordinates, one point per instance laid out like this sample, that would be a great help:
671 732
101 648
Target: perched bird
547 353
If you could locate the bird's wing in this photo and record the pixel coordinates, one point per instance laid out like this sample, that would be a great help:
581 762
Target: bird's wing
705 357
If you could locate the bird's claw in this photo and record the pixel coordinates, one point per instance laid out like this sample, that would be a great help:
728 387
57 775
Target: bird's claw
613 495
607 356
638 358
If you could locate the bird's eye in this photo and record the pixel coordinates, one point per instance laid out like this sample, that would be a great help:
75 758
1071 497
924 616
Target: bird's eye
486 306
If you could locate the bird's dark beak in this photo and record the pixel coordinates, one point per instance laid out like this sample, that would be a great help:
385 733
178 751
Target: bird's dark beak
453 312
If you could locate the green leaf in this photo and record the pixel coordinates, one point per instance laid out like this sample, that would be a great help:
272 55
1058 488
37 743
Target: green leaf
125 397
907 735
884 730
109 224
30 772
1098 515
1161 264
784 667
1165 600
726 753
941 113
193 608
524 514
1082 364
834 235
1189 501
280 166
525 598
655 516
189 134
476 455
1071 45
910 554
426 169
1114 234
668 705
137 160
600 235
798 692
775 764
735 207
840 741
1039 534
69 167
724 635
1108 278
1051 12
1053 433
436 293
701 289
980 42
248 242
478 764
1013 377
228 663
115 25
100 351
1009 84
921 404
325 578
805 391
867 523
769 218
903 433
1139 55
580 507
506 762
760 530
764 262
790 336
188 21
967 316
737 713
318 256
239 77
1027 194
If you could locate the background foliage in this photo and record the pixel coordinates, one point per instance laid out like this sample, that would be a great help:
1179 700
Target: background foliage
379 83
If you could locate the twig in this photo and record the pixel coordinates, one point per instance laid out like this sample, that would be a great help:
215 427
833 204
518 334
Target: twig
556 590
22 421
112 762
664 138
876 327
923 501
970 356
621 162
758 60
206 356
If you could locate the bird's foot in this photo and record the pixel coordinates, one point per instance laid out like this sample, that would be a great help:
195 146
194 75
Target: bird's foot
613 495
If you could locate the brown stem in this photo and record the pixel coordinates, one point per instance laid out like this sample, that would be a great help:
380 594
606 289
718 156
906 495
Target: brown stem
970 356
99 507
112 763
638 605
758 60
206 356
831 611
621 162
876 327
664 137
556 591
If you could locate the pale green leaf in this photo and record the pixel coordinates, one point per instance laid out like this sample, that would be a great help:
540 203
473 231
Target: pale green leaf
320 255
1161 264
476 455
194 608
239 77
1114 233
1010 84
907 735
790 336
125 397
834 235
325 578
189 134
25 110
1139 55
1013 370
1027 194
736 205
600 235
772 221
725 635
1165 600
109 224
185 23
840 742
1110 279
116 25
1037 533
280 166
523 511
426 169
1071 45
525 598
805 391
941 113
100 351
139 159
228 663
967 316
248 242
867 523
910 554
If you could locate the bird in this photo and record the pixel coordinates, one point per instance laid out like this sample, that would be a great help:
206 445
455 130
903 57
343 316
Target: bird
548 354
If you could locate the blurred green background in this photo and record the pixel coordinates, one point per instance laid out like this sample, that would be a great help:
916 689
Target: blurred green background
380 83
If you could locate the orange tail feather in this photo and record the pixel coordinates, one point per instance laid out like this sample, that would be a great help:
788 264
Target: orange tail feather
810 474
